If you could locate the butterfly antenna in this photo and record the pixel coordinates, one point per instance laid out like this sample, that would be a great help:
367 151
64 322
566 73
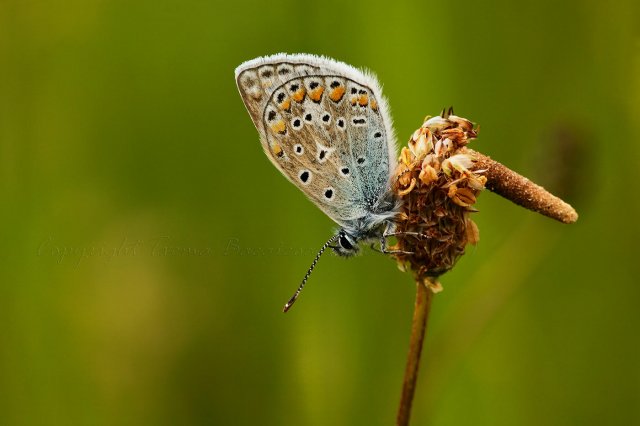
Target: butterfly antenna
306 276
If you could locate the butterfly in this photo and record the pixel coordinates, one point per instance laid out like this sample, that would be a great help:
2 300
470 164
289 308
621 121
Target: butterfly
326 126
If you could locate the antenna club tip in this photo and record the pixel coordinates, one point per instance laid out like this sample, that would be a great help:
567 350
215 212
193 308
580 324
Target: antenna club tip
287 307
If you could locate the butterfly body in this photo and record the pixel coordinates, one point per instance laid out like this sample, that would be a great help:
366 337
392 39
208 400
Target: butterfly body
326 127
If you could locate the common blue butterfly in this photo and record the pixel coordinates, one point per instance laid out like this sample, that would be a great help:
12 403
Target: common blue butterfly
325 125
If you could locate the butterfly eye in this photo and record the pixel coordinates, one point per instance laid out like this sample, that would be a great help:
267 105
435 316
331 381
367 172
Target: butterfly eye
344 242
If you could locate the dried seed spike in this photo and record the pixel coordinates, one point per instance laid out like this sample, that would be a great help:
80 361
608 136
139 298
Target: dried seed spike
520 190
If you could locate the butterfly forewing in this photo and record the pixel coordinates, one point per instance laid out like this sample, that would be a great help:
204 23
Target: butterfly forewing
324 125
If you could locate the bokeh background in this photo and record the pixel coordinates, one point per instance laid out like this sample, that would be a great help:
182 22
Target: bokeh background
147 245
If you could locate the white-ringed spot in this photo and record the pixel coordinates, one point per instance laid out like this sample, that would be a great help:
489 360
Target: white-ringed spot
359 121
296 123
329 193
323 153
305 177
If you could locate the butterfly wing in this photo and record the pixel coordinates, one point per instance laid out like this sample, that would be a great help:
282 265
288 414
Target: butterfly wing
325 126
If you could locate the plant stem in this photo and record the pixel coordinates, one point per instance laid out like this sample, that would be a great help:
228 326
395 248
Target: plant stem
424 295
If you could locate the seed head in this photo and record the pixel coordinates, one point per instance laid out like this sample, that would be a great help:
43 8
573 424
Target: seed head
438 188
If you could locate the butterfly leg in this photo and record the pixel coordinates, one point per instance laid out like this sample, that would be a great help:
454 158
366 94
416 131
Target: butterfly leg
413 234
383 247
390 231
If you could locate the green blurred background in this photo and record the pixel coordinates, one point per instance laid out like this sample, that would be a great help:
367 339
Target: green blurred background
148 245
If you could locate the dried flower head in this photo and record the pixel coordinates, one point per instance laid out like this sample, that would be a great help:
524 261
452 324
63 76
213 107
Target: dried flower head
438 187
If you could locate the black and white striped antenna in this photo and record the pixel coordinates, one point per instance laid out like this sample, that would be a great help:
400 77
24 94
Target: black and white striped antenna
306 277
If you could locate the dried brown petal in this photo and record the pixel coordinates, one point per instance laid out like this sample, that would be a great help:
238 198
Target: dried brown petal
476 182
456 135
447 144
428 175
422 146
436 123
459 162
462 196
404 175
431 160
404 192
433 285
405 156
463 123
473 233
438 148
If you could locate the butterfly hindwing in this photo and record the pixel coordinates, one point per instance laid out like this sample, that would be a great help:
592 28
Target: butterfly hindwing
324 125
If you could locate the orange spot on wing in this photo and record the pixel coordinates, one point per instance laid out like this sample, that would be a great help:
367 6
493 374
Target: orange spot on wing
363 100
316 94
337 94
277 150
353 100
279 127
286 104
374 105
299 95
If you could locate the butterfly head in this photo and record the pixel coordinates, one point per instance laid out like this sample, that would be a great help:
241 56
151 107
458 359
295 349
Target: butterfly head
346 244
